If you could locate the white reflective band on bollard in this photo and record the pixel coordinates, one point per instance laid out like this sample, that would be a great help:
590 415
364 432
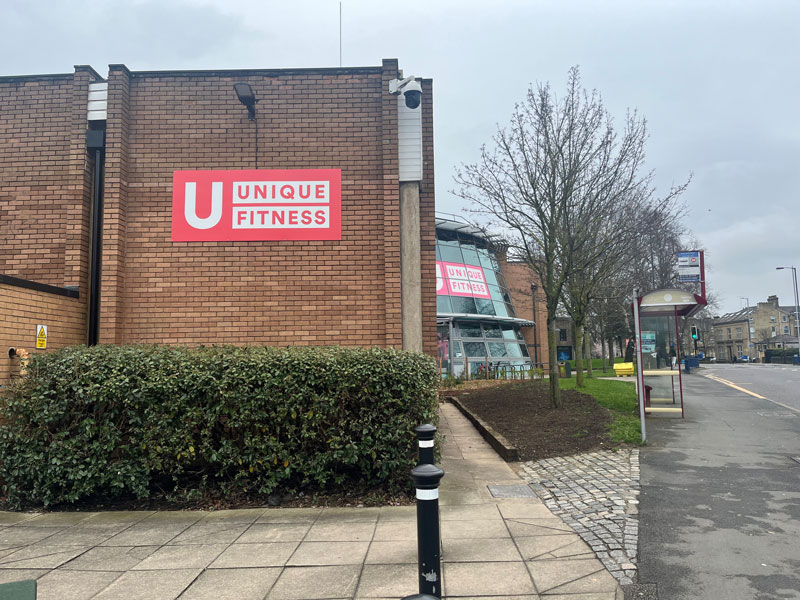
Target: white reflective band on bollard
426 443
427 494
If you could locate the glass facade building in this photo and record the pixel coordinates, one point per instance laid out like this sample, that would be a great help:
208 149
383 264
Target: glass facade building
478 327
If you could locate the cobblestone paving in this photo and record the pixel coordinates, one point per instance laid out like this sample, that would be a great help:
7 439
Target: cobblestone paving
597 495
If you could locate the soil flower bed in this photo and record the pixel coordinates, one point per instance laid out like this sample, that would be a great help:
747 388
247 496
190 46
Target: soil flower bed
522 412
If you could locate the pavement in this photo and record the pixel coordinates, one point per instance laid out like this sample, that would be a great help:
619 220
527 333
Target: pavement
719 513
498 540
595 493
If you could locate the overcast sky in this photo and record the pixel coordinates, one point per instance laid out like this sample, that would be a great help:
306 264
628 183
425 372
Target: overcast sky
717 81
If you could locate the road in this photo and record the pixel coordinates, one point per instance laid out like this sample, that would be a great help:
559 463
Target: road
720 500
780 383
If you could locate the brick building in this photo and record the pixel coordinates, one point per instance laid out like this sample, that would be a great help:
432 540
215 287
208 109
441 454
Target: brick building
72 143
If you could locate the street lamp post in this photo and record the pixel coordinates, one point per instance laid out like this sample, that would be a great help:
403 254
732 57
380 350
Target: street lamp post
534 287
796 303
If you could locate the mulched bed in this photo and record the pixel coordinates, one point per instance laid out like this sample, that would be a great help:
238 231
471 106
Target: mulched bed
523 414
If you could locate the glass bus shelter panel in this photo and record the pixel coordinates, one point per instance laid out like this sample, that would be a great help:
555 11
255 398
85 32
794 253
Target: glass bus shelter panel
661 363
659 343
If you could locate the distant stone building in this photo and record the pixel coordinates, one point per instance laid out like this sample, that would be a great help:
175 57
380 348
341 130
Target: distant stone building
751 330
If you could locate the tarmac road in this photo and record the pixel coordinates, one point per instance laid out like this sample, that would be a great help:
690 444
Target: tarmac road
720 499
780 383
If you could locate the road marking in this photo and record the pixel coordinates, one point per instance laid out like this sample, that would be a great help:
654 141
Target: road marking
734 386
741 389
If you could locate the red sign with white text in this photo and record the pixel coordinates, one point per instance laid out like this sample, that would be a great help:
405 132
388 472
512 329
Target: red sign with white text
460 280
254 205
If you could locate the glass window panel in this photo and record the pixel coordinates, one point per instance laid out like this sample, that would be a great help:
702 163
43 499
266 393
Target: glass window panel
438 254
462 304
518 333
450 252
524 350
475 349
492 331
470 256
510 308
514 350
498 349
490 276
485 307
500 309
457 351
501 281
443 304
469 331
495 293
508 332
486 260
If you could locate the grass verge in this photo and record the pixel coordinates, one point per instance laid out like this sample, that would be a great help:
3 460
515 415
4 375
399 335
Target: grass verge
619 397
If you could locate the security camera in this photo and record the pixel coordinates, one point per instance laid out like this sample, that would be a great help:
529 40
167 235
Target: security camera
410 88
413 94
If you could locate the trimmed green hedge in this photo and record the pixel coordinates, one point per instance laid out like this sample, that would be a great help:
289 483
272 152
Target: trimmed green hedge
113 420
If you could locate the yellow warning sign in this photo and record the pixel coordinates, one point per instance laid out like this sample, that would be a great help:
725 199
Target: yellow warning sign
41 336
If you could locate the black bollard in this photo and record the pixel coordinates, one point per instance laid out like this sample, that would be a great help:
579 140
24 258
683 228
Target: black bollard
425 435
426 480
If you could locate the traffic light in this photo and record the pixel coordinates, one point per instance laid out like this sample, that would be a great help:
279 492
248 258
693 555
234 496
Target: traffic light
694 332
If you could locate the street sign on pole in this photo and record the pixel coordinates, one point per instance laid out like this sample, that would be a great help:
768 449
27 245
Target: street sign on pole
689 267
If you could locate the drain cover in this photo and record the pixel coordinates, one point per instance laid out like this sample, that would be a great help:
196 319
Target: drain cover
511 491
795 458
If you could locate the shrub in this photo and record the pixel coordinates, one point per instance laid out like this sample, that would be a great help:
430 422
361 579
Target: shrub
117 420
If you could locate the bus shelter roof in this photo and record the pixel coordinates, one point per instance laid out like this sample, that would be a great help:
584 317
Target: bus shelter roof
668 301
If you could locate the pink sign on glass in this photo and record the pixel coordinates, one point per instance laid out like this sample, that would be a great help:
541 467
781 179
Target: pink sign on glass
460 280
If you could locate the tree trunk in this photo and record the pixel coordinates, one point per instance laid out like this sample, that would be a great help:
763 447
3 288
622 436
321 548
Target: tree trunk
555 389
578 355
611 352
603 351
587 342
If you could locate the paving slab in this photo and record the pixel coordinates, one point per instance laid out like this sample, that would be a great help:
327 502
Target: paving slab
56 519
181 557
147 585
271 554
232 584
329 553
274 532
74 585
41 557
310 583
388 581
487 578
110 558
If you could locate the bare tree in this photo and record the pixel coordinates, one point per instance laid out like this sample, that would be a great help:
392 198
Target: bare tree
561 185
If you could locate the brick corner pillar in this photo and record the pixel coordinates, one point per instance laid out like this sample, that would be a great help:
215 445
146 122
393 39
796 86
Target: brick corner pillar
393 319
115 195
427 218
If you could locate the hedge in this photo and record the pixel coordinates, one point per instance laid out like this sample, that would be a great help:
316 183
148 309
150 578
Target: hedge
120 420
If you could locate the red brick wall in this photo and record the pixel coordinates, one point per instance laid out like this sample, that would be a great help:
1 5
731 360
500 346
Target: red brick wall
309 292
428 224
23 309
43 166
519 278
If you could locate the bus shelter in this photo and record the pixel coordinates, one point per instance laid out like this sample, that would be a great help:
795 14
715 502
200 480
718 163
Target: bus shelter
659 378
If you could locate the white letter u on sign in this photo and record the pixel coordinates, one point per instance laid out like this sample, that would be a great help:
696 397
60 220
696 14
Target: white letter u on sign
190 206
